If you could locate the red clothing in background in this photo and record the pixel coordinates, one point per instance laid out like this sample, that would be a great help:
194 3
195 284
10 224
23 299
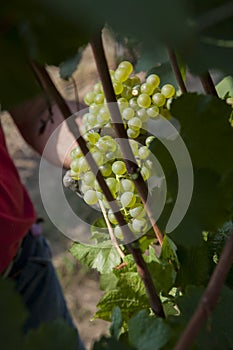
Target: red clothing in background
16 210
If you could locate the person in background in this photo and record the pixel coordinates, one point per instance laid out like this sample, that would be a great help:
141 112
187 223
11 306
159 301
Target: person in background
25 256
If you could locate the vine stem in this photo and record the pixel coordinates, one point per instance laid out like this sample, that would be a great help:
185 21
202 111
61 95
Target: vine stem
142 268
111 233
209 298
131 163
208 84
176 70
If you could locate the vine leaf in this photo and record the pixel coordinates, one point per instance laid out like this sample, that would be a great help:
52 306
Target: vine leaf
54 335
110 344
103 256
147 332
117 321
129 294
225 87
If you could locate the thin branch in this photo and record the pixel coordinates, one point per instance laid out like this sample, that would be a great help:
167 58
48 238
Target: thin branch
76 93
176 70
143 271
111 233
208 84
209 298
131 163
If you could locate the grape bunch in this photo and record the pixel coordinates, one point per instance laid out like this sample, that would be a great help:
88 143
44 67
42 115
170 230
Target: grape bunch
137 103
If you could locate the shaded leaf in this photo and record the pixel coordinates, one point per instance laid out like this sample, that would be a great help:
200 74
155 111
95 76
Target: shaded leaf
115 328
147 332
110 344
102 256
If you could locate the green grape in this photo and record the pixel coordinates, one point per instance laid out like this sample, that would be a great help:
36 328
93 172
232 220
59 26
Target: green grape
118 233
90 197
104 115
89 97
121 74
102 147
112 145
149 139
135 123
158 99
154 80
134 80
119 167
97 186
75 153
89 178
127 92
106 169
112 217
148 164
74 165
74 175
82 164
153 111
143 152
128 199
92 137
126 65
127 185
99 99
144 101
122 103
94 108
145 173
142 114
134 146
92 120
168 90
139 225
84 187
147 88
98 157
98 88
118 87
112 184
128 113
133 103
133 134
137 212
99 195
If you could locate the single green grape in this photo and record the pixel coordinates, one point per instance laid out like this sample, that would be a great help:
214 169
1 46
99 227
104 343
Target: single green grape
106 169
122 103
118 87
90 197
158 99
112 217
94 108
149 139
133 103
75 153
153 111
139 225
154 80
145 173
121 74
118 167
137 211
98 88
82 164
128 113
99 99
89 178
127 185
89 97
144 101
127 66
143 152
142 114
147 88
128 199
134 146
133 134
168 90
98 157
112 184
135 123
118 233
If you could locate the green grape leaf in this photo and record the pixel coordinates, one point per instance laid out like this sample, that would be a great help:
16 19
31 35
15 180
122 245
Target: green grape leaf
110 344
12 316
116 325
147 332
168 252
129 295
204 122
217 331
103 256
225 87
68 67
54 335
108 281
